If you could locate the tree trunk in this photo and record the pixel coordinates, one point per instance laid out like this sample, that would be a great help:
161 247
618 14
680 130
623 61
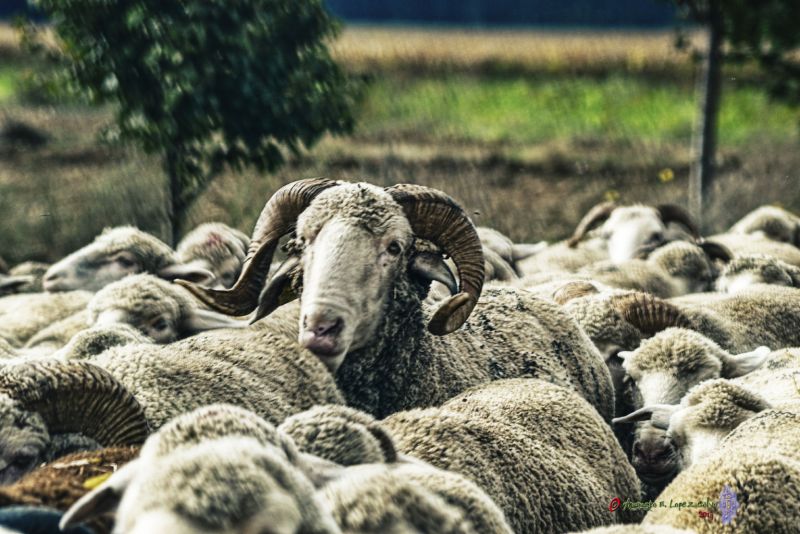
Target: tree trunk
175 209
705 135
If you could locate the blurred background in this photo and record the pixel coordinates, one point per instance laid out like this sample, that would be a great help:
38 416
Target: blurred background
527 112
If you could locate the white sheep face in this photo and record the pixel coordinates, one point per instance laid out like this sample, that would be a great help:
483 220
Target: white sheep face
349 267
90 269
631 231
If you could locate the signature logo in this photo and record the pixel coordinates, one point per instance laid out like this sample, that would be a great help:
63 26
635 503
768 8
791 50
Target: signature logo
728 504
614 504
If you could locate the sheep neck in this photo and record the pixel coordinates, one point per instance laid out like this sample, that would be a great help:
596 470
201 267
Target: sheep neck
375 378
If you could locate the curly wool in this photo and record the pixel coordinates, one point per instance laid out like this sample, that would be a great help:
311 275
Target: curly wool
637 275
375 499
681 352
754 244
143 296
767 269
57 335
340 434
762 315
98 339
196 483
517 440
257 368
602 322
774 222
635 529
215 242
767 488
721 404
683 259
152 253
22 316
406 366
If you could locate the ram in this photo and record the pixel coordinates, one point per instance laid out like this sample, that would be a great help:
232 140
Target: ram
361 308
217 248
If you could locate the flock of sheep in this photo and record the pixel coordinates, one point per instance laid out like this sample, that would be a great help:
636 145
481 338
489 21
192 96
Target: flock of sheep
402 371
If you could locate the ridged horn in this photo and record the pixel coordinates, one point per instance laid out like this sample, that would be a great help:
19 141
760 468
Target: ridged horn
649 314
573 290
436 217
593 218
716 251
673 213
277 219
77 397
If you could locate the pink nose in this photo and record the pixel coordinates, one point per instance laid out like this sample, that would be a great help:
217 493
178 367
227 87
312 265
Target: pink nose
321 335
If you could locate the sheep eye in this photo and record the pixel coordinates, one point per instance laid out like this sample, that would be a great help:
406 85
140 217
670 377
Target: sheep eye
124 261
159 324
394 248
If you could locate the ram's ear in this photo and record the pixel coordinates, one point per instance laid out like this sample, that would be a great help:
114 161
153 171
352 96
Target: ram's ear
520 251
103 499
201 320
658 415
741 364
431 266
194 272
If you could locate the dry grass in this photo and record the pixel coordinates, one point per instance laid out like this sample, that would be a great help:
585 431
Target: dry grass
59 197
435 50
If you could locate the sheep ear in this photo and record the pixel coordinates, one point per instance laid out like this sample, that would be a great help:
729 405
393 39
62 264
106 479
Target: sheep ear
201 320
657 414
11 283
520 251
741 364
430 266
191 272
278 290
102 499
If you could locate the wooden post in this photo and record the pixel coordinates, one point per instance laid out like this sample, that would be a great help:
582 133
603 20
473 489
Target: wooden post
705 135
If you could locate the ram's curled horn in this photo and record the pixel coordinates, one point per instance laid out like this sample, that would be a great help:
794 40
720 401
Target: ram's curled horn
573 290
593 218
77 397
438 218
716 251
672 213
649 314
277 219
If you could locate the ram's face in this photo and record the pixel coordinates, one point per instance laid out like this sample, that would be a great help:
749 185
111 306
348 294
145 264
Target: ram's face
632 232
350 263
23 441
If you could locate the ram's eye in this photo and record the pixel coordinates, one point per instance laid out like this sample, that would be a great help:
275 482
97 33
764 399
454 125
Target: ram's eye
394 248
159 324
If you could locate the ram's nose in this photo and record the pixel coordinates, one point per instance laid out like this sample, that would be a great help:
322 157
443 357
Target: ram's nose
321 334
52 280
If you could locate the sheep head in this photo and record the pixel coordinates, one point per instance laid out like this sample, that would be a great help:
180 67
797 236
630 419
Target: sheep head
115 254
355 242
632 231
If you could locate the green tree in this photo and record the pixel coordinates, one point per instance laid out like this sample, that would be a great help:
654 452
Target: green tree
207 83
741 31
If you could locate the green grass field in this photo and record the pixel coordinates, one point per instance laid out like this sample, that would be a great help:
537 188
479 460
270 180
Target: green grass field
526 129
